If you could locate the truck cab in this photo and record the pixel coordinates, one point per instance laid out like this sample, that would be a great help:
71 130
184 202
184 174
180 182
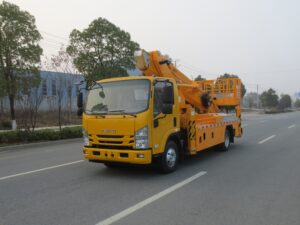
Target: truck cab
130 120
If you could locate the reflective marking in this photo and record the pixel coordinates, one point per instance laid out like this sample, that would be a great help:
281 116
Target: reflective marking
292 126
149 200
267 139
39 170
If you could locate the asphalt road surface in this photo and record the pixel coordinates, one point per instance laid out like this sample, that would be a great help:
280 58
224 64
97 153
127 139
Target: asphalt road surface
256 182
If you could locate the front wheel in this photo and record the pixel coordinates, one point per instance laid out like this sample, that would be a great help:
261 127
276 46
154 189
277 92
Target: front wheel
169 159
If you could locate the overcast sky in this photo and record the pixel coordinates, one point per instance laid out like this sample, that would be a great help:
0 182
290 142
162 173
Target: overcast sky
259 40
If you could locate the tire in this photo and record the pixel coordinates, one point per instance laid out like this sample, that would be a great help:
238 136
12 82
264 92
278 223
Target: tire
169 159
226 144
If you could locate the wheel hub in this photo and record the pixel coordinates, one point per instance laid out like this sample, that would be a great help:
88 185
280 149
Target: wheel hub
227 140
171 157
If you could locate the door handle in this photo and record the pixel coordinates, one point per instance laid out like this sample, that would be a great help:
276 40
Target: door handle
174 122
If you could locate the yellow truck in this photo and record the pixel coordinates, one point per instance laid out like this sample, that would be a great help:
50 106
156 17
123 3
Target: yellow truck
158 117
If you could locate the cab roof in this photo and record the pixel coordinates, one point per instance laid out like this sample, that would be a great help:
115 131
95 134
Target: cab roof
133 78
126 78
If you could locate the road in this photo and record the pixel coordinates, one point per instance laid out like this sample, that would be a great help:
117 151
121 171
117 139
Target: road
256 182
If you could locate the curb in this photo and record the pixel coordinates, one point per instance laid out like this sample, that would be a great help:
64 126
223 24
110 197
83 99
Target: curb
37 144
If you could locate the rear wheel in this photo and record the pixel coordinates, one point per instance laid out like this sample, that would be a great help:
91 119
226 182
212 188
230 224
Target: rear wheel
170 157
226 144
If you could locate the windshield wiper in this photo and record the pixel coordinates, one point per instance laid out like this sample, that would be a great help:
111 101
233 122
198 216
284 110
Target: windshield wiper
117 110
98 113
122 111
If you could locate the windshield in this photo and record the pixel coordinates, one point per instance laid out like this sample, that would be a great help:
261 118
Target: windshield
118 97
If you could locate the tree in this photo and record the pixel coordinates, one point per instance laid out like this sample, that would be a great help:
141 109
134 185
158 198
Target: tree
62 63
19 53
285 102
297 103
30 103
2 96
227 75
269 99
61 87
102 50
199 78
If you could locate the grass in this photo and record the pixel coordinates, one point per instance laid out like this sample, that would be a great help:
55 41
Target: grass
20 136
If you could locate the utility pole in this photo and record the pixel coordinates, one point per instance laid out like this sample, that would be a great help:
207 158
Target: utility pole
175 63
257 100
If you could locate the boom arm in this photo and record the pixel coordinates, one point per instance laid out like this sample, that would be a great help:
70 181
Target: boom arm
223 92
156 64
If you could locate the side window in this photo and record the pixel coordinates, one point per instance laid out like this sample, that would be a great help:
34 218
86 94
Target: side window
158 96
44 87
53 87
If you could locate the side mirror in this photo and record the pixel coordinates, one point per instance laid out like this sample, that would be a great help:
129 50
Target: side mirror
167 108
80 104
79 111
168 95
80 100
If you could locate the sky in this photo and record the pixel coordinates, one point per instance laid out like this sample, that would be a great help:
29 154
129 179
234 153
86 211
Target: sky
258 40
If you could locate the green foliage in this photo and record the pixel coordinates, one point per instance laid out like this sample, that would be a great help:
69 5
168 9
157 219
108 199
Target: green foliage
19 51
269 99
227 75
102 50
199 78
297 103
5 125
13 137
285 102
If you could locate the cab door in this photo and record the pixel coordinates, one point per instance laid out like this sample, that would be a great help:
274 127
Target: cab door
163 124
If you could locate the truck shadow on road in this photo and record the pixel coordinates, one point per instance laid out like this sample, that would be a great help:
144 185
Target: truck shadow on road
188 165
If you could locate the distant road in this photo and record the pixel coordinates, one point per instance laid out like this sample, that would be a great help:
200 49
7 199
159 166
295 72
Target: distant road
256 182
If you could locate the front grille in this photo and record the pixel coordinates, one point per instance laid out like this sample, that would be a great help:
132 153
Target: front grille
112 141
110 136
120 147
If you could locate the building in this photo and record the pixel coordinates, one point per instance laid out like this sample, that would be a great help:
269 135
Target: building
55 89
59 89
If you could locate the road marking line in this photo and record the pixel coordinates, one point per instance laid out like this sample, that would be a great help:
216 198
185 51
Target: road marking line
39 170
267 139
292 126
149 200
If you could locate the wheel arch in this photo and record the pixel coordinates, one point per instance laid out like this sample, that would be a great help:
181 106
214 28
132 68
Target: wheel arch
176 137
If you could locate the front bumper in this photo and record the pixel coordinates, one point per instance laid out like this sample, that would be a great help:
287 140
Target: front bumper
123 156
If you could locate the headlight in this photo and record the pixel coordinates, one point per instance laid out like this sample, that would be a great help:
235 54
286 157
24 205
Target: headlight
141 138
85 137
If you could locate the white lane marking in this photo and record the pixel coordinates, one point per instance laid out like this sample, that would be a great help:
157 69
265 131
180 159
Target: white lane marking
149 200
292 126
267 139
39 170
245 125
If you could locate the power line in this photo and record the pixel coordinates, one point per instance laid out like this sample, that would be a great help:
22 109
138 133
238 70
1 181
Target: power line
55 36
54 41
195 68
190 69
